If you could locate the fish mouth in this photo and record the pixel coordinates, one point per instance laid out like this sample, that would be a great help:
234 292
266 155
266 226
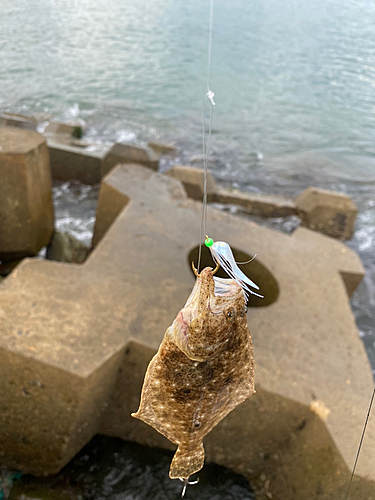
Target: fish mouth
223 287
202 298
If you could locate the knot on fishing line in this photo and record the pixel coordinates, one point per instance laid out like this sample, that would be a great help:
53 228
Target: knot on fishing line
211 96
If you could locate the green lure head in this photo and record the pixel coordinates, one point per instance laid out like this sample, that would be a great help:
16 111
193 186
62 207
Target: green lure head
208 242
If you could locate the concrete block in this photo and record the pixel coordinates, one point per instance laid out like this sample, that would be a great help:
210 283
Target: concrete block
19 121
70 161
193 180
61 410
75 342
112 202
161 149
26 210
129 153
7 266
328 212
258 204
59 128
64 247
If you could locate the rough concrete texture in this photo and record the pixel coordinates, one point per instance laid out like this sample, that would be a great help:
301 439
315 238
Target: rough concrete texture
64 247
20 121
112 201
59 128
259 204
328 212
192 179
75 342
161 149
26 210
70 161
7 266
265 205
129 153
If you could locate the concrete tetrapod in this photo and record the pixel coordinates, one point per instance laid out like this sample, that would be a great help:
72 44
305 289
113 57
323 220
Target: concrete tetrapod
129 153
192 179
71 161
328 212
75 341
20 121
26 210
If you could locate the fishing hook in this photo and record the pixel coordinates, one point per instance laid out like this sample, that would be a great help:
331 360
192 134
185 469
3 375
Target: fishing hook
198 275
186 484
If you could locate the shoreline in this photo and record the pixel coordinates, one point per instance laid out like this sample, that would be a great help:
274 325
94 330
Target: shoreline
363 241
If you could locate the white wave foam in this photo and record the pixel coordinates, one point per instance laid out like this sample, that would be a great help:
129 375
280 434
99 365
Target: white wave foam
124 136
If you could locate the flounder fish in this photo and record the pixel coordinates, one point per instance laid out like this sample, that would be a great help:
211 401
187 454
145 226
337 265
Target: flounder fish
203 369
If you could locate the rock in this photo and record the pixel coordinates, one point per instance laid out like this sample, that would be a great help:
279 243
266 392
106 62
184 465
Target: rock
193 180
26 210
129 153
80 162
75 342
19 121
258 204
328 212
161 149
64 247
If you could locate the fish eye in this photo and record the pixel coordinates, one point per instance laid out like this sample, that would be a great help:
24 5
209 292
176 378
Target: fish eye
243 312
231 314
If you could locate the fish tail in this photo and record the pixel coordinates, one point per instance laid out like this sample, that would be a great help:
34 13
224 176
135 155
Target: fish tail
187 461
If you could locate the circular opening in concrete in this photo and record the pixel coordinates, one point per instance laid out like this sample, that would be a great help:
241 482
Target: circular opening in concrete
256 271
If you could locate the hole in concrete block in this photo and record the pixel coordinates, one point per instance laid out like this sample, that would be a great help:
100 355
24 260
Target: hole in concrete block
256 271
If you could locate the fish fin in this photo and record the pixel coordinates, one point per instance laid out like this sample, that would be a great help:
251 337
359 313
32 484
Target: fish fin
187 461
149 417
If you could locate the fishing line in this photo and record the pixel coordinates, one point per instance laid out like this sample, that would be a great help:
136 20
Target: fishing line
206 135
360 444
206 148
186 484
248 261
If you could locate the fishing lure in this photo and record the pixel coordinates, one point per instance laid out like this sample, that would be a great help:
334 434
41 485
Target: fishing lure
204 367
222 254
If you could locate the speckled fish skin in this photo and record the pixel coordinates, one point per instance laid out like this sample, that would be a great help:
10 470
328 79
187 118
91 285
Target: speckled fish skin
203 369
